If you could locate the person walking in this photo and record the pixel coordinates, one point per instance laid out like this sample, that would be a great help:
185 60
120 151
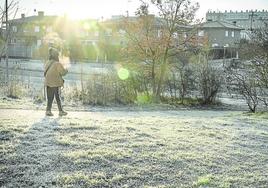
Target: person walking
53 73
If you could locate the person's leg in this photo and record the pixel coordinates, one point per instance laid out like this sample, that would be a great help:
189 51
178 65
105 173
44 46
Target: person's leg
50 97
57 96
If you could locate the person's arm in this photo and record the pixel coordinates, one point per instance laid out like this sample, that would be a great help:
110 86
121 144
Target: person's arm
46 67
61 69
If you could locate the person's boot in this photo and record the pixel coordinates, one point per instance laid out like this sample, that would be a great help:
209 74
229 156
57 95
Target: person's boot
49 113
62 113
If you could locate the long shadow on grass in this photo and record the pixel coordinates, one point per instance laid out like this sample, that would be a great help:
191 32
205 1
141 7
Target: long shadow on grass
34 160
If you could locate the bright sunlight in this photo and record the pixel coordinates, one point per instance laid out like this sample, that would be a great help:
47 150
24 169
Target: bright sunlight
82 9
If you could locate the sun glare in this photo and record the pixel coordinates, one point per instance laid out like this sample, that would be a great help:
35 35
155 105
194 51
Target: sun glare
123 73
93 9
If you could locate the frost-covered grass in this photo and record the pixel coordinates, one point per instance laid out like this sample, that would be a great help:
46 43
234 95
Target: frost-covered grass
137 149
13 125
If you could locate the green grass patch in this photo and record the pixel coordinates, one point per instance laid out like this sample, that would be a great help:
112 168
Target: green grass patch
82 179
261 115
143 98
204 180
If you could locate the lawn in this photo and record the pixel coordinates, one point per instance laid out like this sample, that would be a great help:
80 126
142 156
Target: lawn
117 148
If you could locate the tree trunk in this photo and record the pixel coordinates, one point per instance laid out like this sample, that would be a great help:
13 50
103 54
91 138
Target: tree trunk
153 78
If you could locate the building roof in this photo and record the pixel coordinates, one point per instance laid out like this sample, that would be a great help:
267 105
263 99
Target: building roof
219 24
33 19
157 21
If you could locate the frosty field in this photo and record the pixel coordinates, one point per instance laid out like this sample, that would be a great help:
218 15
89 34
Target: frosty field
117 148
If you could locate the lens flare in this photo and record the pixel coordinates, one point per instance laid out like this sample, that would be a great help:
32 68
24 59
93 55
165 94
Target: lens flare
123 73
143 99
86 26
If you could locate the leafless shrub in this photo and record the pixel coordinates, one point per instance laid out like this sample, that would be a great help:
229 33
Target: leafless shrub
209 82
242 80
105 90
181 81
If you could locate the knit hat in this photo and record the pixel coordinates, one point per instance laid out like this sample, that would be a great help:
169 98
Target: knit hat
53 53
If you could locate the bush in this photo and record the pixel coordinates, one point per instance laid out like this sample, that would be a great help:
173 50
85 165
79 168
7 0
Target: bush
180 82
242 80
104 90
209 83
144 98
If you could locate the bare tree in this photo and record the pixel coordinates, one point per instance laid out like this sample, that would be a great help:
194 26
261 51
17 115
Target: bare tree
10 10
257 62
242 80
6 31
154 40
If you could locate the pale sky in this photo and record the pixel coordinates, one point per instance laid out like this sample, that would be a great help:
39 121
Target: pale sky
78 9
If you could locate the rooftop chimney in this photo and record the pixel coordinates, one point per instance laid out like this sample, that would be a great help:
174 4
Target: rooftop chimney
41 13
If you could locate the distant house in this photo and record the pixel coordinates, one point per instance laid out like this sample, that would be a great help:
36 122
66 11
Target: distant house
248 20
93 39
28 33
115 28
221 36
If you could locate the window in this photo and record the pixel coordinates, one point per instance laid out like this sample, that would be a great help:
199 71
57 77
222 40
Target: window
244 35
233 34
201 33
226 33
39 42
36 29
13 41
14 29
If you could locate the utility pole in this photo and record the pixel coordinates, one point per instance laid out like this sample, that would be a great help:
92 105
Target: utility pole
7 37
251 19
128 2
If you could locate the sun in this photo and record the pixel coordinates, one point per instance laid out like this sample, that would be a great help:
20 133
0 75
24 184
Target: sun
82 9
76 11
